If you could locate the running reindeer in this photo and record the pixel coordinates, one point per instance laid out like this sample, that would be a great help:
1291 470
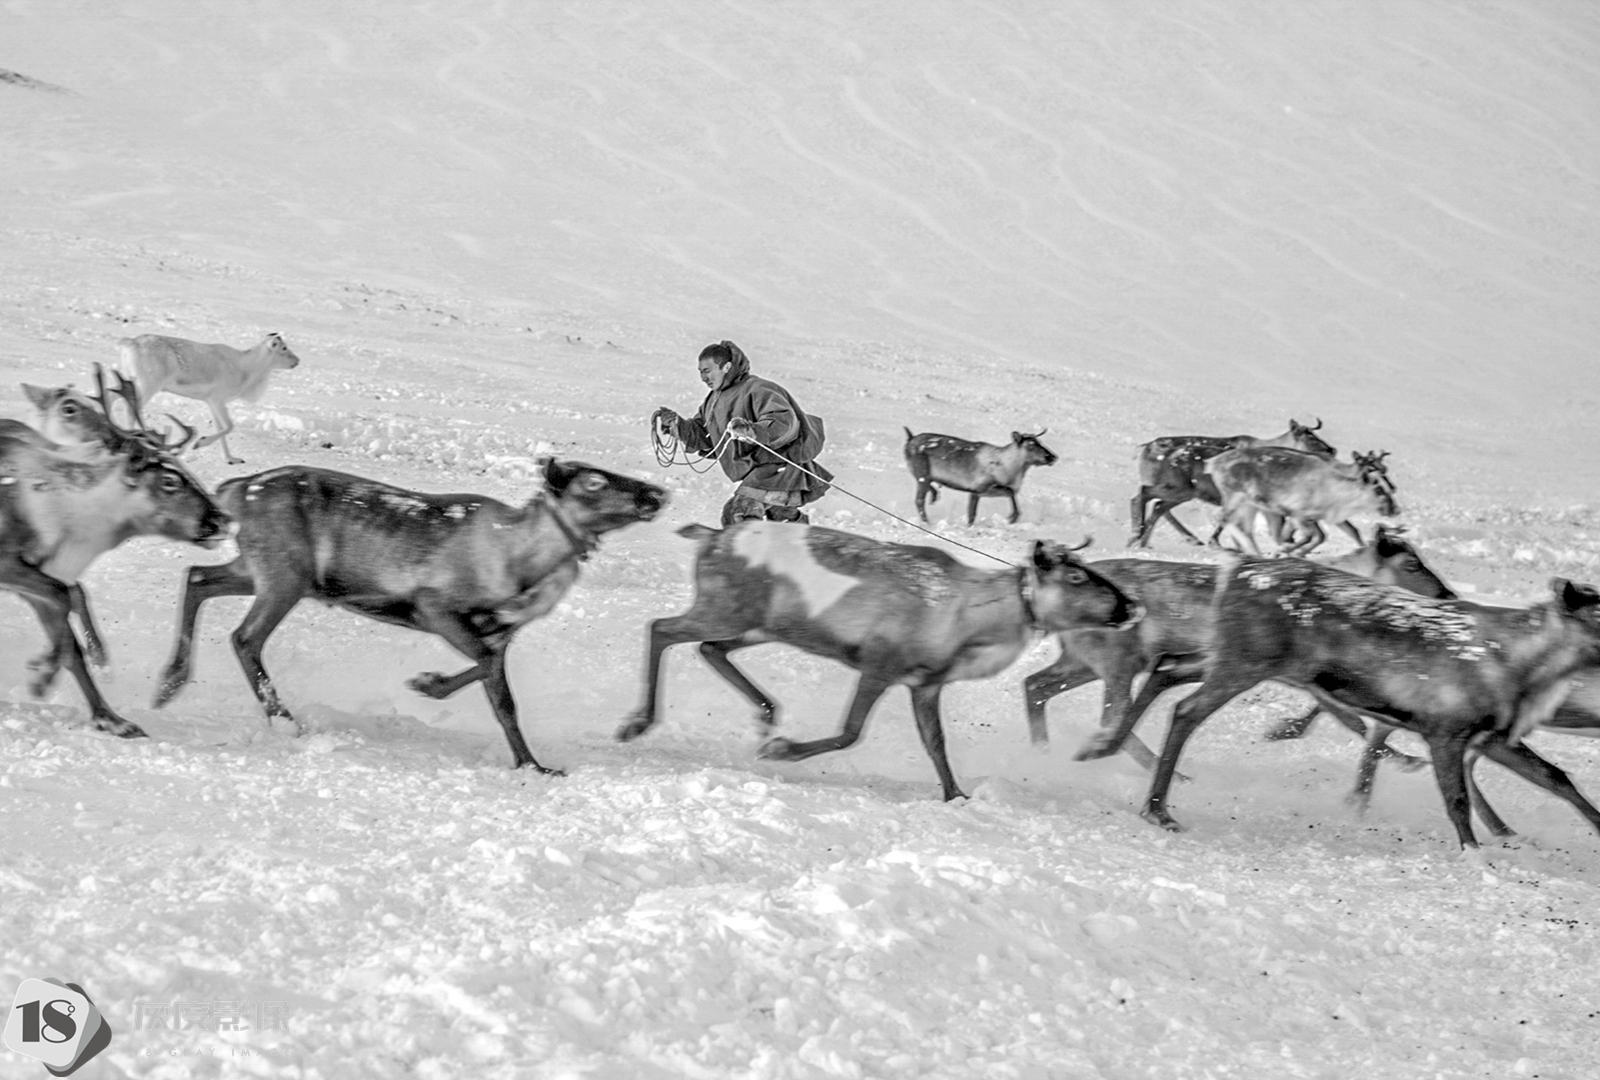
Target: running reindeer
465 567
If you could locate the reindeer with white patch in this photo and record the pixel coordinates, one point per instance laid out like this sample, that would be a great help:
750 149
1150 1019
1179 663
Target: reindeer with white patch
468 568
61 507
214 374
898 614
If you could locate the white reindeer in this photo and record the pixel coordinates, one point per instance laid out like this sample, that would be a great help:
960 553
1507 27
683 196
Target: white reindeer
214 374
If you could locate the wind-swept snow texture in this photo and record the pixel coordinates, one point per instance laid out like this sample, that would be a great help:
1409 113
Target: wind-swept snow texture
494 231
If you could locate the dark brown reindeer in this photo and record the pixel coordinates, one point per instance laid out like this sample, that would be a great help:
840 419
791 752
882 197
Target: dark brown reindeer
1177 599
61 507
1460 675
465 567
1303 489
895 613
1172 471
978 468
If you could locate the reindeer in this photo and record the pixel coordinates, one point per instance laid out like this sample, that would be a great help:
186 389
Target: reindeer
978 468
214 374
69 419
1459 674
62 506
465 567
895 613
1172 472
1177 598
1291 485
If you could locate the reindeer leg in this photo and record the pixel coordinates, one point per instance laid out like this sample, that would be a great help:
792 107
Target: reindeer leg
50 602
219 413
1449 771
716 654
1016 512
436 685
925 706
1191 712
92 643
1295 727
1067 673
1486 813
1165 513
201 583
711 624
1355 533
868 690
250 638
972 508
434 614
1136 508
1521 760
1110 740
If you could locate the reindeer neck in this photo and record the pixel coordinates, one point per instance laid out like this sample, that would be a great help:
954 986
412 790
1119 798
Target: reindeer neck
581 542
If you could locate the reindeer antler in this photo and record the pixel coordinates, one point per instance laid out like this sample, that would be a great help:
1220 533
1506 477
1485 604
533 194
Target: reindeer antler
128 391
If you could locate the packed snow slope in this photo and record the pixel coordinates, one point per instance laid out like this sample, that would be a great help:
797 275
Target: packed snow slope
497 231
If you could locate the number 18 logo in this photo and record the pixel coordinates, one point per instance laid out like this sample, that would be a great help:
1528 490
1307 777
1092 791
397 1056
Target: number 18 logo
56 1023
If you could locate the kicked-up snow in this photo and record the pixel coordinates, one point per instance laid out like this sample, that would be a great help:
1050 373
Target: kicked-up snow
495 232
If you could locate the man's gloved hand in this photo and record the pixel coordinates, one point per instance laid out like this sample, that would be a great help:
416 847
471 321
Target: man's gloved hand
664 416
741 429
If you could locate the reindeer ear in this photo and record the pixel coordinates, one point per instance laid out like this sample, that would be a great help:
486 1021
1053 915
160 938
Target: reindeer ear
36 394
557 474
1046 556
1573 596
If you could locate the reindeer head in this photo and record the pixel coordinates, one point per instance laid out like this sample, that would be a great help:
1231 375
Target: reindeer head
1374 476
176 504
1069 595
599 500
279 352
1305 438
1034 452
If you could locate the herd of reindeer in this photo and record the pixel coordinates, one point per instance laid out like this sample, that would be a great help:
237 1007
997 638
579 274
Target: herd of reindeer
1375 637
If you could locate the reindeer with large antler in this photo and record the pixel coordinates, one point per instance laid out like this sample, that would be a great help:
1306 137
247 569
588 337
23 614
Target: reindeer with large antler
61 507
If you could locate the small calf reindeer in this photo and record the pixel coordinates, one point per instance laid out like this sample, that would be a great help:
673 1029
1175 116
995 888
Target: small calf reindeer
465 567
214 374
981 469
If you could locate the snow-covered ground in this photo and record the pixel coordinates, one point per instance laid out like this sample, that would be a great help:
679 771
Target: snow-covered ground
494 231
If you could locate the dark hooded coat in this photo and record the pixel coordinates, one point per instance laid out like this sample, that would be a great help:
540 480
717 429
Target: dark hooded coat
779 423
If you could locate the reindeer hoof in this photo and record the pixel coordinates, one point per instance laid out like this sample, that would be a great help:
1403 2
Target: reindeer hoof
541 769
430 684
633 727
122 729
1099 746
779 749
1161 818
